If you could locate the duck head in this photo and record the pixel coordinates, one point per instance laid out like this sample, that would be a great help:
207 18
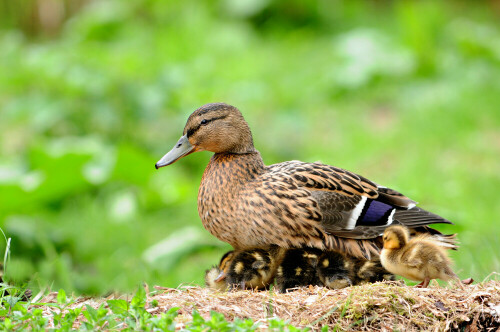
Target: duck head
395 237
217 127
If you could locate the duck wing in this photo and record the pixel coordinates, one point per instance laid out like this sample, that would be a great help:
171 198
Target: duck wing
316 176
353 206
279 212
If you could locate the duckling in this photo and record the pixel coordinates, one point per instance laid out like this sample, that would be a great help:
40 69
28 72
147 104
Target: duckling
215 279
298 268
254 269
292 204
335 270
417 259
449 241
368 271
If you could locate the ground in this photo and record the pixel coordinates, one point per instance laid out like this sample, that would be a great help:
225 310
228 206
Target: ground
372 307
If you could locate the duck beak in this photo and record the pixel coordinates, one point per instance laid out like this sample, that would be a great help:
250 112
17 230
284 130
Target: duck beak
181 149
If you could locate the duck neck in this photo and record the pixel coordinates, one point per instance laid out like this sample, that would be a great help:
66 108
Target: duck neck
227 173
238 144
241 166
226 176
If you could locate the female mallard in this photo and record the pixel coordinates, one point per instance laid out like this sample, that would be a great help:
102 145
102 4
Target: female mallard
292 204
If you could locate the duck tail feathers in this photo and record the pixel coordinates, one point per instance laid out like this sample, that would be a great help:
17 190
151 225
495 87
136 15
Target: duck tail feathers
416 216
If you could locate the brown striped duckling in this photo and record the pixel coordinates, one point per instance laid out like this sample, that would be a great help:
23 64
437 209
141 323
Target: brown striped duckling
419 258
298 268
215 279
369 271
335 270
292 204
253 269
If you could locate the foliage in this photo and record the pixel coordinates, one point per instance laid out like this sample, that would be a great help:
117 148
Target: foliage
367 307
115 315
404 93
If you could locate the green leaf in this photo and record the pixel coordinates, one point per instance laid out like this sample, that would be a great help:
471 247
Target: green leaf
75 312
102 312
61 297
7 322
11 300
90 314
139 299
118 307
57 318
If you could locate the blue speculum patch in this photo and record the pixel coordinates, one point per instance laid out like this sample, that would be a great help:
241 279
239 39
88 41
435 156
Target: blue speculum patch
374 213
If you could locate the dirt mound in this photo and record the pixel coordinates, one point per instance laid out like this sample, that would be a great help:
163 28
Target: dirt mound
371 307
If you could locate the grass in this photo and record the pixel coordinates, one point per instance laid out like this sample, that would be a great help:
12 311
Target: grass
62 313
404 94
369 307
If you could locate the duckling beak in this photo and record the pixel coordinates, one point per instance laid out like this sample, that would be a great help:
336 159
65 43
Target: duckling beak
221 276
181 149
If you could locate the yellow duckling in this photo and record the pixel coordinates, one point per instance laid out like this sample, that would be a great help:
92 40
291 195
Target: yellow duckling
293 204
419 258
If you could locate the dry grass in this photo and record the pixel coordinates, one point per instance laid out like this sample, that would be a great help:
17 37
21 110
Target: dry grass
383 306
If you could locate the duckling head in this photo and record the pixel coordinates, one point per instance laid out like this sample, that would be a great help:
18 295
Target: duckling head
216 127
213 279
224 265
395 237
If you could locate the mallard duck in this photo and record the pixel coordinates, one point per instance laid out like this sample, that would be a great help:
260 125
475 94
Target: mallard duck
298 268
335 270
419 258
292 204
253 269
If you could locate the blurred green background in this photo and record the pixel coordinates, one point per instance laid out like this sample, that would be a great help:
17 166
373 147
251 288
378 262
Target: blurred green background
93 93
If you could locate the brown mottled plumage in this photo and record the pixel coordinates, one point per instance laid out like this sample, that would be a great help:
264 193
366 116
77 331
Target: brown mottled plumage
292 204
419 258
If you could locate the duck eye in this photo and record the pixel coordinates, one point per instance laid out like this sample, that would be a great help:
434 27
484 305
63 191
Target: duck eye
204 121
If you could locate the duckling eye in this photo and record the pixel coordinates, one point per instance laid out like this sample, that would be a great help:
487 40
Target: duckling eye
204 122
